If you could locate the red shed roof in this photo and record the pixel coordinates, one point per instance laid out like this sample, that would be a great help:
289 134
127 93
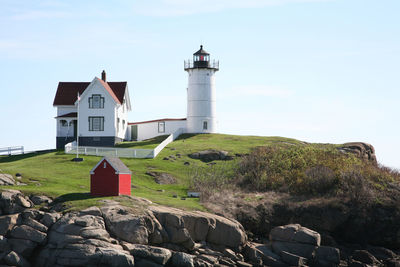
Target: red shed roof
116 163
67 92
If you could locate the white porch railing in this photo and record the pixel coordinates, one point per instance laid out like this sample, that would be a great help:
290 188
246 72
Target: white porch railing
12 150
70 148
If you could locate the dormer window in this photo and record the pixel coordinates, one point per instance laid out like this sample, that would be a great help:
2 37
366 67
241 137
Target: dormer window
96 101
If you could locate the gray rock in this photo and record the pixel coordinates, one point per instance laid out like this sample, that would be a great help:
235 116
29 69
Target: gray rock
37 200
23 247
12 201
295 233
303 250
60 240
114 258
4 246
284 233
49 219
146 263
200 226
227 232
365 257
96 233
210 155
155 254
14 259
7 222
243 264
128 227
326 256
181 259
162 177
6 179
29 233
90 220
36 225
293 260
254 252
95 211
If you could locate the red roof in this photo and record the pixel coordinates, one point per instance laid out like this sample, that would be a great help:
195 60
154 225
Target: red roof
69 115
67 92
134 123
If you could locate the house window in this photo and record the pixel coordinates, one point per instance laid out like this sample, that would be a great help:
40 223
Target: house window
123 124
96 101
205 125
118 125
96 123
63 123
161 127
105 165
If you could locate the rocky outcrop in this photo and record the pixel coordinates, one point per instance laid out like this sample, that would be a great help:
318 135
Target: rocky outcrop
81 239
6 179
13 201
151 235
162 177
362 150
210 155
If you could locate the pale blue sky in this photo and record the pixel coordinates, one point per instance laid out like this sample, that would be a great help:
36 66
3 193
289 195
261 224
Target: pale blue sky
314 70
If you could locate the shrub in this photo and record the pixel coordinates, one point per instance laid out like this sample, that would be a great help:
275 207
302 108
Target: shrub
209 179
307 169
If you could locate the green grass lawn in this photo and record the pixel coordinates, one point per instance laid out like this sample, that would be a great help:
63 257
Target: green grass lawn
145 144
55 175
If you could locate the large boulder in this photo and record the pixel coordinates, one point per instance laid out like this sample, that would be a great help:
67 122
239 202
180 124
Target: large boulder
6 179
210 155
130 227
198 226
297 245
295 233
13 201
362 150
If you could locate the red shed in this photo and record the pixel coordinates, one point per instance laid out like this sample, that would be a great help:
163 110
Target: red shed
110 177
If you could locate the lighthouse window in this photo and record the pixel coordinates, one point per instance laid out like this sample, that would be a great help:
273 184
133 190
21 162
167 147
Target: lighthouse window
161 127
205 125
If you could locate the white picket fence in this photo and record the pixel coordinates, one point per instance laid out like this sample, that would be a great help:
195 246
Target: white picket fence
12 150
70 148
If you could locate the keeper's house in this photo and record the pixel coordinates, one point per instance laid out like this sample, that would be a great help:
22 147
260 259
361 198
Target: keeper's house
103 112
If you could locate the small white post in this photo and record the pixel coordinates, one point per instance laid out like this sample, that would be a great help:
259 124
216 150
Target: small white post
77 129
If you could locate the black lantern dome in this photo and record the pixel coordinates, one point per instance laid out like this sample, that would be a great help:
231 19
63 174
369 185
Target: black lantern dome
201 59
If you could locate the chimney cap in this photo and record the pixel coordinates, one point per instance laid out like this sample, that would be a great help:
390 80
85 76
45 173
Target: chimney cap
103 75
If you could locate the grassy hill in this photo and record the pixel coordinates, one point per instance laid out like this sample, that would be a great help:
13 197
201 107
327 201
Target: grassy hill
55 175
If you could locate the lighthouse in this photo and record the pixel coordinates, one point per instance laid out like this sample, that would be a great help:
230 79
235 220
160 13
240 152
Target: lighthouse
201 94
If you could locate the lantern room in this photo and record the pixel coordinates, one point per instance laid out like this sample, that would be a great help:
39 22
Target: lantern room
201 59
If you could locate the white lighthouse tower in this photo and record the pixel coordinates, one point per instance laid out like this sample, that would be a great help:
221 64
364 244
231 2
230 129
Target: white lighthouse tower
201 95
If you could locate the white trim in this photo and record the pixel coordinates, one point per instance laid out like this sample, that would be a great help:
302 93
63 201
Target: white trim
92 83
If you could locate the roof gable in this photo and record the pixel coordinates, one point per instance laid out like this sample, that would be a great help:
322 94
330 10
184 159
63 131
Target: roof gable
67 92
116 163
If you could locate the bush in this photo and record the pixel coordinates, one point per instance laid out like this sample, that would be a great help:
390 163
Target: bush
209 179
357 188
307 169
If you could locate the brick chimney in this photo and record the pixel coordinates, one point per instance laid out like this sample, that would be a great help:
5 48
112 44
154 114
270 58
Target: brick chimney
103 75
